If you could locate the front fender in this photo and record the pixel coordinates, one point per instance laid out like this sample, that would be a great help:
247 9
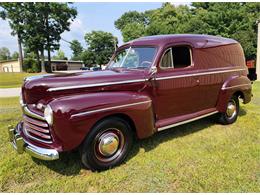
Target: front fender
75 115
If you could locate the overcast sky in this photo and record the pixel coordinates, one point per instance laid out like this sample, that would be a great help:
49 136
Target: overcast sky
91 16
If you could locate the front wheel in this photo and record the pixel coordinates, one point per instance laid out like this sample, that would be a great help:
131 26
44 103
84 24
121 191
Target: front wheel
107 145
232 110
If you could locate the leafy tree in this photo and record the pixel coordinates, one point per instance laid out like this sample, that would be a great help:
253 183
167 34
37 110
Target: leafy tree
39 25
60 56
14 12
88 57
130 17
101 45
4 53
15 55
77 49
233 20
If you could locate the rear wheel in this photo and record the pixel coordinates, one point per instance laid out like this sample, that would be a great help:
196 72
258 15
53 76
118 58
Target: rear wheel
232 110
107 145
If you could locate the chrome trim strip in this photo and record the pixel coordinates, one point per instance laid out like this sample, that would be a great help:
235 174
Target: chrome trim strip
109 108
37 133
186 121
224 88
27 112
198 74
95 85
36 139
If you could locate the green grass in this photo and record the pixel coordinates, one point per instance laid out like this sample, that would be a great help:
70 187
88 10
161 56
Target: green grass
12 80
202 156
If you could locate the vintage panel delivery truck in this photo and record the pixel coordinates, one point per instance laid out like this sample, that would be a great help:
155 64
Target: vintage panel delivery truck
151 84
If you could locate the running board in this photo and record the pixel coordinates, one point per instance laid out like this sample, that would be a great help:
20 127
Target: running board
186 121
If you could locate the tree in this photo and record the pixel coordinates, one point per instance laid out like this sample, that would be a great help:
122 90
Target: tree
4 53
39 25
77 49
101 46
15 55
14 13
165 20
232 20
60 56
88 57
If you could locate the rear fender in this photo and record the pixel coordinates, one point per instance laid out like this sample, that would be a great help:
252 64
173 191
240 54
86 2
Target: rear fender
239 85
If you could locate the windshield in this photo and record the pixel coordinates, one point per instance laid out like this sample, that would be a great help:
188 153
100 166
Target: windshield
133 58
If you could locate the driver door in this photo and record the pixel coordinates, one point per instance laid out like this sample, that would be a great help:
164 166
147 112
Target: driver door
177 91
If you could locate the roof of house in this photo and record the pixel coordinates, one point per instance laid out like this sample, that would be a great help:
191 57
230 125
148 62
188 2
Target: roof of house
69 61
11 60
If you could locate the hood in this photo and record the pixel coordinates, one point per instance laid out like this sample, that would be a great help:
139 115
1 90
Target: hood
38 87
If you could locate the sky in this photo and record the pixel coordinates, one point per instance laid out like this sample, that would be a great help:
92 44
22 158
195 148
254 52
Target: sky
91 16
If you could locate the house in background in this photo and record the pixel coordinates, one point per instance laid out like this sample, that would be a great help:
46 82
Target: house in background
56 65
10 66
61 65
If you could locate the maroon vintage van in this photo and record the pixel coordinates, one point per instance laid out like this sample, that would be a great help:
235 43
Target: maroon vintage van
151 84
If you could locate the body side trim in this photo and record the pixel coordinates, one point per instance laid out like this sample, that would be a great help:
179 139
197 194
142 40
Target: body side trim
109 108
186 121
199 74
224 88
95 85
27 112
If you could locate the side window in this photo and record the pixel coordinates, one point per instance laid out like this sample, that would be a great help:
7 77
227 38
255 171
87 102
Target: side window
176 57
181 56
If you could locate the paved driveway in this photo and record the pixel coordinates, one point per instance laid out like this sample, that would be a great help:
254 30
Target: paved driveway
10 92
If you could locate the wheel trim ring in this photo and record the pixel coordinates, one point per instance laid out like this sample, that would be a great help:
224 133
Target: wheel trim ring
98 154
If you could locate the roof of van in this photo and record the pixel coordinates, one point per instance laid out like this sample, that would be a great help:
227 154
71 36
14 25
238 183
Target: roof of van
197 41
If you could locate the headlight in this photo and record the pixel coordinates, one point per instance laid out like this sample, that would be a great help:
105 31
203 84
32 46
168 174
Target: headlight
48 114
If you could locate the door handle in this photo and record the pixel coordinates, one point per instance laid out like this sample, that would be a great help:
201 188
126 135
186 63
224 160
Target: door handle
197 81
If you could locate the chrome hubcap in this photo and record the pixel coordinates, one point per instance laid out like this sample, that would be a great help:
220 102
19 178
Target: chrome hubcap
108 144
231 109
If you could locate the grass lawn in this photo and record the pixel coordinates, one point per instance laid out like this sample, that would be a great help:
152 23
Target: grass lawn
12 80
202 156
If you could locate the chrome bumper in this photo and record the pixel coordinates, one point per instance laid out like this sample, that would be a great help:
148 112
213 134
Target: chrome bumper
20 145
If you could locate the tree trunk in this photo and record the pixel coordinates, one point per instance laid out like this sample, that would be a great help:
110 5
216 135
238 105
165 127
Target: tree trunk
38 58
49 59
42 61
20 53
48 38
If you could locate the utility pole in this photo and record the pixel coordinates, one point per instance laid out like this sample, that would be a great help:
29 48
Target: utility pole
258 51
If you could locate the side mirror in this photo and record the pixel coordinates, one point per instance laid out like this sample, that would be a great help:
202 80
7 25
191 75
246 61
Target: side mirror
153 70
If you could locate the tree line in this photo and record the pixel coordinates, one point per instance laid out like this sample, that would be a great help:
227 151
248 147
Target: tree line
40 27
231 20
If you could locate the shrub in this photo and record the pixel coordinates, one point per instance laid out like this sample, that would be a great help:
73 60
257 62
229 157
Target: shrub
30 65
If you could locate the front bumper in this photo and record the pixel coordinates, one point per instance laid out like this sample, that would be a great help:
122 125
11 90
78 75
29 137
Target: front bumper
20 145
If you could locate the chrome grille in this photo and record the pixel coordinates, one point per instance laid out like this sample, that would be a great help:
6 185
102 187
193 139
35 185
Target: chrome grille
37 130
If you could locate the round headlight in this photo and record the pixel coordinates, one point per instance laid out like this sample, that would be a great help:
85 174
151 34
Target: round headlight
48 114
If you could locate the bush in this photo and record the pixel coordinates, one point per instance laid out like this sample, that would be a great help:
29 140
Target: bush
30 65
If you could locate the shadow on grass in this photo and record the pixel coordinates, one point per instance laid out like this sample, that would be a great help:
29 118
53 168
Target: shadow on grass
70 164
